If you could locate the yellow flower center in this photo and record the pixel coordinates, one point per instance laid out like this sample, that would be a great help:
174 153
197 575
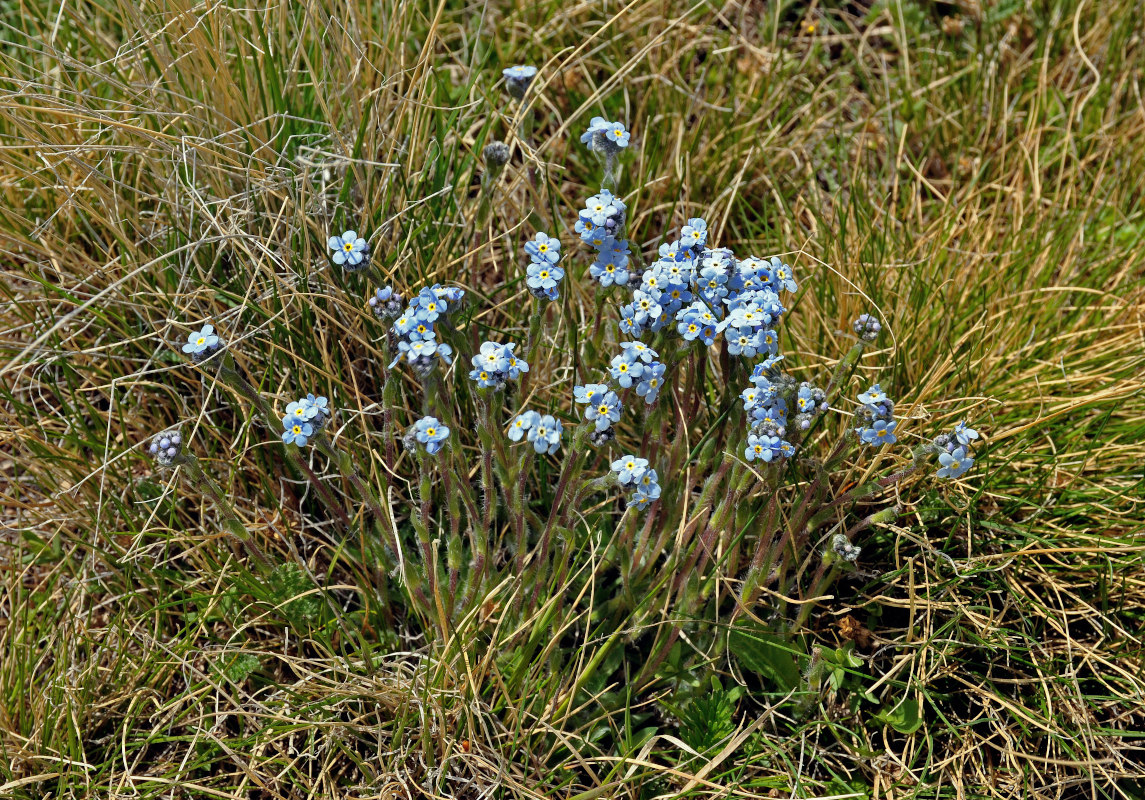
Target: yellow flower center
348 246
603 409
544 248
431 431
200 340
297 429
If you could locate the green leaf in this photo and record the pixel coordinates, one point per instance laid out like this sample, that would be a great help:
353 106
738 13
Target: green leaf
904 718
765 654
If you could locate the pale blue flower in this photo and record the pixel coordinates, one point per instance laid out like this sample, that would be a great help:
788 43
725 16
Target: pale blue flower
604 410
964 435
954 465
202 343
430 432
522 424
589 393
545 434
296 430
544 248
350 250
651 379
629 469
880 432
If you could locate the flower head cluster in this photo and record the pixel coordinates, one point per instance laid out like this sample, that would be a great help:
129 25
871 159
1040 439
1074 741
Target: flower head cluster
705 293
386 303
165 447
543 431
605 137
954 455
867 327
312 409
844 549
417 340
431 433
766 401
875 418
496 364
637 366
635 474
543 275
518 78
202 344
601 224
349 250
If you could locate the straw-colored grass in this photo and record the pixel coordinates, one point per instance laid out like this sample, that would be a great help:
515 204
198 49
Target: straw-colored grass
972 171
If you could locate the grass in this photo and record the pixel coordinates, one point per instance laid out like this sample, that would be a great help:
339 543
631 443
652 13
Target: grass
972 171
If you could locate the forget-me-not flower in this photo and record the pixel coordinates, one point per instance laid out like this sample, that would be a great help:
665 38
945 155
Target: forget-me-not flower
430 432
296 430
350 250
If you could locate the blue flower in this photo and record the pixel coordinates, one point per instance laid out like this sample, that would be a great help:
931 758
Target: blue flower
873 396
519 72
964 435
645 307
609 269
649 484
649 387
765 448
617 134
430 432
386 303
522 424
201 341
543 275
589 393
604 410
450 294
638 351
296 430
881 432
518 78
308 408
639 500
544 248
624 371
805 400
595 125
599 209
694 234
350 250
545 434
420 352
954 465
781 276
629 469
428 306
496 364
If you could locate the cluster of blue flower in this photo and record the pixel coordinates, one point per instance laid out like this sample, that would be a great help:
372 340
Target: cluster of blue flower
166 446
417 339
954 451
543 275
605 137
543 431
304 417
875 417
709 292
637 365
601 224
634 473
496 364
